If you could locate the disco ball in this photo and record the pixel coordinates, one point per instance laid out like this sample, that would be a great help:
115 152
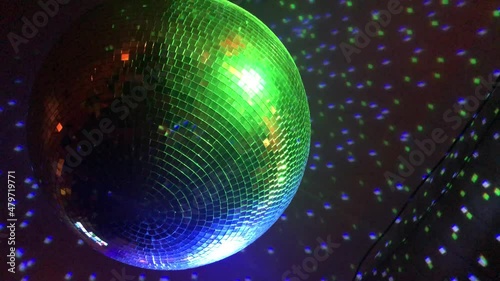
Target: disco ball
169 134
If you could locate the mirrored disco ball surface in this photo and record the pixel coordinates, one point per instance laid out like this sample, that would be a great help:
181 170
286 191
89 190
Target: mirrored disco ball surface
169 134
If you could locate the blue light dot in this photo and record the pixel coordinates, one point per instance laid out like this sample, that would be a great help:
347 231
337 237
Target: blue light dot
22 267
19 253
307 250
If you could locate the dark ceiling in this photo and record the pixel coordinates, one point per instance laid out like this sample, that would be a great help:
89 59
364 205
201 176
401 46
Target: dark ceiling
369 111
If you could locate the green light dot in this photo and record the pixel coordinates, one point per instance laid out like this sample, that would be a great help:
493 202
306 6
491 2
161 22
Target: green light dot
482 261
474 178
486 196
437 75
473 61
414 60
434 23
430 106
409 10
440 60
454 236
462 193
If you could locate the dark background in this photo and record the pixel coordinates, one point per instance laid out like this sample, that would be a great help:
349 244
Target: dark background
365 113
